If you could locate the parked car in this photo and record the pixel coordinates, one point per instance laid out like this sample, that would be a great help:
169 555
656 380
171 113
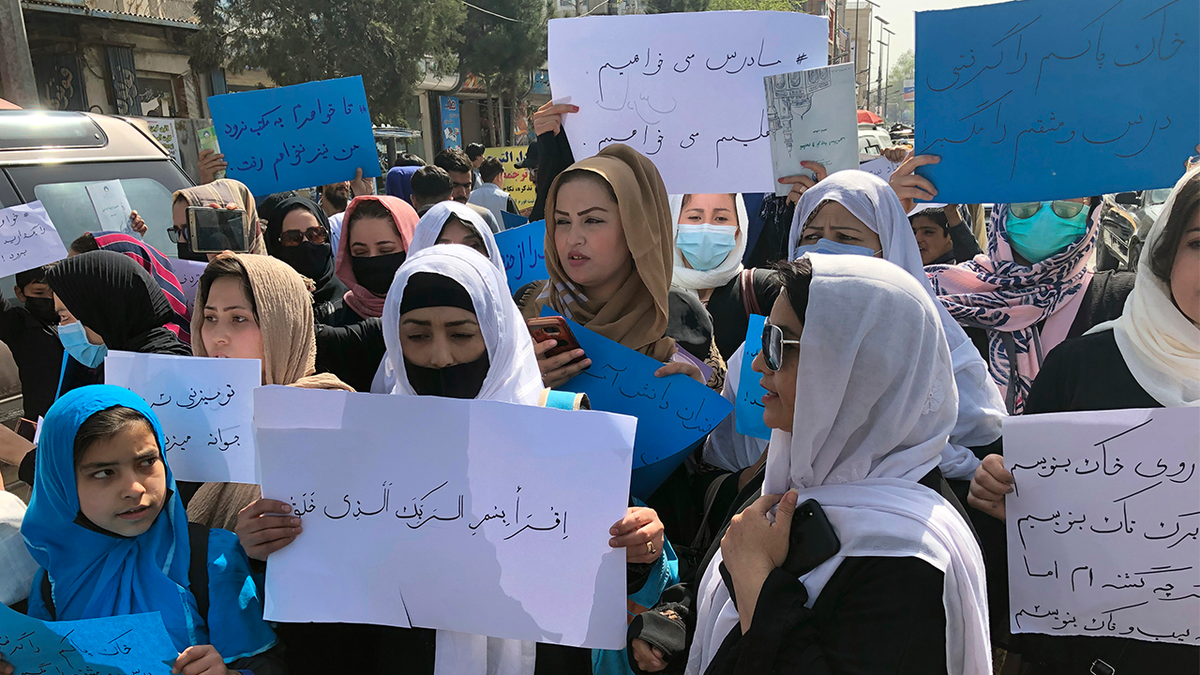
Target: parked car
53 156
872 139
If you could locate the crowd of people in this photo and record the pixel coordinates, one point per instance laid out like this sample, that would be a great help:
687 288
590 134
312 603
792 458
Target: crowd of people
894 347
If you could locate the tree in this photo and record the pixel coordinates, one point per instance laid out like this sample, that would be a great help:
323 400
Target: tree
758 5
902 70
503 51
387 42
667 6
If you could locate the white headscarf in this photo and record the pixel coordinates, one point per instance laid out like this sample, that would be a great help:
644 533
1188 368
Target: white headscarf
980 406
1160 345
875 403
429 228
513 376
691 280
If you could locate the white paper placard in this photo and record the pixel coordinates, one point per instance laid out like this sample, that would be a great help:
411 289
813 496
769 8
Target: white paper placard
812 119
28 239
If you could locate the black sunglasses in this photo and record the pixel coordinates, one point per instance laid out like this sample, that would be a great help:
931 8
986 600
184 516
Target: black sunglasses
177 235
772 346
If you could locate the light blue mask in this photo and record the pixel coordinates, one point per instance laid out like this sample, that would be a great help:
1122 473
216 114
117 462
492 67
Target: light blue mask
705 246
75 341
832 248
1045 234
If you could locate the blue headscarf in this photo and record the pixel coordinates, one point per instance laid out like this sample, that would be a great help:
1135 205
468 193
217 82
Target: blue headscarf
399 182
95 575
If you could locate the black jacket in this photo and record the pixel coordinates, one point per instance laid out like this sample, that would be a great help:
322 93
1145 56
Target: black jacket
38 353
352 352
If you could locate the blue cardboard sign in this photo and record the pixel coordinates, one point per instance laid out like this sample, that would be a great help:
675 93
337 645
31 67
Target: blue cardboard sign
748 412
296 137
513 220
118 645
1054 99
674 413
523 252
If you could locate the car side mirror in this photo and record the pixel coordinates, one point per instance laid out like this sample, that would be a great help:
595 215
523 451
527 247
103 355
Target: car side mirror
1126 198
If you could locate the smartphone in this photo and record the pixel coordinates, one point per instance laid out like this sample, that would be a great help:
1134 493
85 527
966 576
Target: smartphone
812 541
216 230
553 328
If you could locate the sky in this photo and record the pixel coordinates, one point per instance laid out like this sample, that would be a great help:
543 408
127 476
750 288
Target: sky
901 14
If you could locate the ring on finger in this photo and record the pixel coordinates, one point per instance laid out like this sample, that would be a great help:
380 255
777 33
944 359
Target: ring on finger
650 548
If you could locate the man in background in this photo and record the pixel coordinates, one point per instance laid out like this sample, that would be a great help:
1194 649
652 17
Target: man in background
430 185
475 154
458 166
31 334
490 195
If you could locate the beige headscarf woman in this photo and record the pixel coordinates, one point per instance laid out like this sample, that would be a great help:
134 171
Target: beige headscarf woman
285 317
222 192
636 316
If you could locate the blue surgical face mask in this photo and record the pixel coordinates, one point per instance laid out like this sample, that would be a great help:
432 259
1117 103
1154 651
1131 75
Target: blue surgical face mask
75 341
705 246
1044 234
833 248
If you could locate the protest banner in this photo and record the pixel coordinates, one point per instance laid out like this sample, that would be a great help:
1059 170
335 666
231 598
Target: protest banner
205 408
524 253
1017 99
300 136
748 411
812 119
674 413
1103 524
684 89
188 273
163 131
27 239
118 645
111 206
451 514
881 167
517 182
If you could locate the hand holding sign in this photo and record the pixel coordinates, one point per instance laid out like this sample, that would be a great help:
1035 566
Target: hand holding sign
116 645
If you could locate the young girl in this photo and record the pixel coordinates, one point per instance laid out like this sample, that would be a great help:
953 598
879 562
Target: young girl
377 232
253 307
111 538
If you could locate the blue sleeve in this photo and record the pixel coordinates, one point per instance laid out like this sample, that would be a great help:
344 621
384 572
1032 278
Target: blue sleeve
235 601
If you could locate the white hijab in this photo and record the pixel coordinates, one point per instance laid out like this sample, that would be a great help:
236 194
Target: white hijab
875 403
980 406
690 280
1160 345
513 376
429 228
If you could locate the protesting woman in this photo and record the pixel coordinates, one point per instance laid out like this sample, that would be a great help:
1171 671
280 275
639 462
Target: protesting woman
298 234
1150 358
377 232
225 193
111 538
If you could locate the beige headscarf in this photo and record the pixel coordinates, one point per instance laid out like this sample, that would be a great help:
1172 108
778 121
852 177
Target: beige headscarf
285 317
636 316
227 191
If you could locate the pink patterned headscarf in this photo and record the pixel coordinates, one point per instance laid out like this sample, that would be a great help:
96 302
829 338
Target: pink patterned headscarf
1010 300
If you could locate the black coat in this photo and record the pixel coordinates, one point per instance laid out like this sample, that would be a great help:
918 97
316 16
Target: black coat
38 354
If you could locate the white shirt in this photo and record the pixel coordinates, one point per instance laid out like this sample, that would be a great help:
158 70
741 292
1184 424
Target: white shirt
335 231
492 198
16 565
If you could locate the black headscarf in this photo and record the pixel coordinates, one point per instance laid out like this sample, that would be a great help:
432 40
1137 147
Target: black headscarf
119 300
307 254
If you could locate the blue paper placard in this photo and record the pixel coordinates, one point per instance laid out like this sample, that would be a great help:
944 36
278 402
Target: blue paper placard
296 137
114 646
674 413
749 409
1055 99
523 252
513 220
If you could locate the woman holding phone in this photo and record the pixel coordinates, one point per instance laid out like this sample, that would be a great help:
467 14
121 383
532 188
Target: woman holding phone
225 194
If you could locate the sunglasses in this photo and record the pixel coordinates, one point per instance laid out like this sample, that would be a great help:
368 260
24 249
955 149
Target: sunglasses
177 235
772 346
1062 209
316 235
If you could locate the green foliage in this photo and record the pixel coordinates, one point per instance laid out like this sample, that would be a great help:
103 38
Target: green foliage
902 70
295 41
666 6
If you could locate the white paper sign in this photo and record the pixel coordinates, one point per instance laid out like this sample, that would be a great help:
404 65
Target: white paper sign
812 119
683 89
881 167
188 273
1104 523
111 205
27 239
447 513
206 408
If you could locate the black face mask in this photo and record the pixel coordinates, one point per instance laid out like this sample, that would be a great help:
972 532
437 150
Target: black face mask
462 380
42 309
309 259
376 274
186 253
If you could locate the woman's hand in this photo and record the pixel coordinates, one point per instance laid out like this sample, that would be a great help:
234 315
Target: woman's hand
210 164
801 183
681 368
896 153
549 117
361 186
640 533
262 528
649 659
200 660
753 547
137 224
991 482
557 370
910 187
6 668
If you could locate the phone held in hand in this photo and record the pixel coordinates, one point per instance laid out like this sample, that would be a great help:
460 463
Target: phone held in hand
553 328
217 230
811 541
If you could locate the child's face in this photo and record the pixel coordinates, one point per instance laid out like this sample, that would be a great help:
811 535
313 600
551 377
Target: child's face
122 481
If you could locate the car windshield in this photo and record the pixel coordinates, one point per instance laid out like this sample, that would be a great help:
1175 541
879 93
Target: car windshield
94 206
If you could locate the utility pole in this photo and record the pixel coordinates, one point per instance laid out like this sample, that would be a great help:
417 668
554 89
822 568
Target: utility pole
870 48
879 82
888 60
16 66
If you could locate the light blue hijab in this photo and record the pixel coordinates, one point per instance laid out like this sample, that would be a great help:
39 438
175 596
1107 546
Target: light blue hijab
95 575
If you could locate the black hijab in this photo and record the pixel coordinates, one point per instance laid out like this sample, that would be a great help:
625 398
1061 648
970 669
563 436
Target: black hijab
314 261
119 300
